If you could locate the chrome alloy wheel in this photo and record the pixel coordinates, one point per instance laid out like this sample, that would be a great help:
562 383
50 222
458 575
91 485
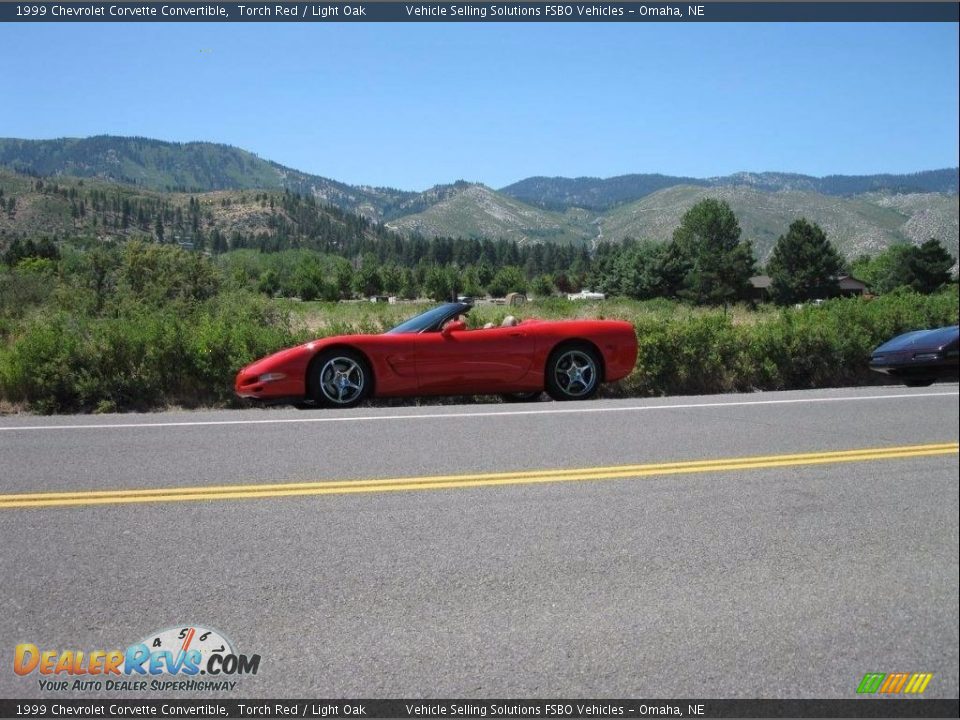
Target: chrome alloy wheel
342 380
575 373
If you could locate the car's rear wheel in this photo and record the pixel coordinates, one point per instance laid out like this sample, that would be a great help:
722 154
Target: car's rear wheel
340 378
918 382
573 372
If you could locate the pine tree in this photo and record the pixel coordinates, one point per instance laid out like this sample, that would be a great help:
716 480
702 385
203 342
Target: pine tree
928 266
804 264
707 247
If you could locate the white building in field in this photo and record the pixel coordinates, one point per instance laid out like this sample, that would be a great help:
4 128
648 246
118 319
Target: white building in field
586 295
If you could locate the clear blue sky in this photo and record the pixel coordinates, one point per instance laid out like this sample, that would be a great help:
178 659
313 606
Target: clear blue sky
412 105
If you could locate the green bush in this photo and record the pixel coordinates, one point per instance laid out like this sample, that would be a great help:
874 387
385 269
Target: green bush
688 355
144 357
813 346
20 291
72 348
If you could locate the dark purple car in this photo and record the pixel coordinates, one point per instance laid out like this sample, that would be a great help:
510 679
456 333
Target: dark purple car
919 357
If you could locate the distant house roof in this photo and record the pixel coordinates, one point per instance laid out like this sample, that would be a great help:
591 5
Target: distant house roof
848 282
844 282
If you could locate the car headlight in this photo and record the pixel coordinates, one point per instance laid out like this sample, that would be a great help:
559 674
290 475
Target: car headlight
926 356
271 377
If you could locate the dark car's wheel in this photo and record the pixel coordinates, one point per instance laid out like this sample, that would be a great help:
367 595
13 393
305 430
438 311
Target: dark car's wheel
918 382
339 378
573 373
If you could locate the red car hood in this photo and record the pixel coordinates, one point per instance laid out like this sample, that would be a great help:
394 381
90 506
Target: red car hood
296 356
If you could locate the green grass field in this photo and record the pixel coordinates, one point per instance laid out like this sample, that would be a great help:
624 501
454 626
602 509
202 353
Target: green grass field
328 318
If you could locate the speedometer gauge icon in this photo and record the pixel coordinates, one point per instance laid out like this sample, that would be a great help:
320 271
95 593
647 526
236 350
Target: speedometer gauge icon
181 640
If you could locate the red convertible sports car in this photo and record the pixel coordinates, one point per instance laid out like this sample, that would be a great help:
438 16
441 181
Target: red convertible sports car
435 354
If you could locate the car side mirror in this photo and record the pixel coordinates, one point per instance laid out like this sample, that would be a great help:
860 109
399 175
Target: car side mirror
452 327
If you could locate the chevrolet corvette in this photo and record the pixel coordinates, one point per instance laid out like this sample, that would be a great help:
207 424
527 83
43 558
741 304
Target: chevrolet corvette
435 353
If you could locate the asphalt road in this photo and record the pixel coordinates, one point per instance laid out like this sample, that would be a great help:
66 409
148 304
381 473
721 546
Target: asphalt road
561 557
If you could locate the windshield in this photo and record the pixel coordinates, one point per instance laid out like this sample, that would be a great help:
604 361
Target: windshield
430 320
920 339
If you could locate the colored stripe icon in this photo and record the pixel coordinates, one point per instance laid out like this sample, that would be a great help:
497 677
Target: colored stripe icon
894 683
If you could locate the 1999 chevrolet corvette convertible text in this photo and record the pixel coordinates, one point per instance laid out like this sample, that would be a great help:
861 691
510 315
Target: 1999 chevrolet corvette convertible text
435 354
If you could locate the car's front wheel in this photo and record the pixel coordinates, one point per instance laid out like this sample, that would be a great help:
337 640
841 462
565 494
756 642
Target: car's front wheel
573 373
339 378
918 382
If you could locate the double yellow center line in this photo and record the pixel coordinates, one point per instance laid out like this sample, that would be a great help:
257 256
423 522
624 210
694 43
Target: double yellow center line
273 490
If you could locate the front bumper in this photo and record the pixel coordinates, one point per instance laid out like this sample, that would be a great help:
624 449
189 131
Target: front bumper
915 364
281 375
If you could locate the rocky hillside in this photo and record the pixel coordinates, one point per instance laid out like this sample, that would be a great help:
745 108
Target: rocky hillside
100 210
186 167
477 211
860 224
859 213
856 225
602 194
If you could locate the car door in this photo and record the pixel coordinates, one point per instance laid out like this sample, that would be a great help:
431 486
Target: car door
472 361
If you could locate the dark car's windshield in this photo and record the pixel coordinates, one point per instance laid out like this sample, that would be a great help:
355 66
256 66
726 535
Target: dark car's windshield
921 339
430 320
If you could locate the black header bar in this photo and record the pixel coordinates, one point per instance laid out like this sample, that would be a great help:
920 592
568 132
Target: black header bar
480 12
489 709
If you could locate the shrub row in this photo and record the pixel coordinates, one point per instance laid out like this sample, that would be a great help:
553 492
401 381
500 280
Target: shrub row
813 346
141 355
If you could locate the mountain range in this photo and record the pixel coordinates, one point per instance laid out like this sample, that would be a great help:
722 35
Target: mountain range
859 213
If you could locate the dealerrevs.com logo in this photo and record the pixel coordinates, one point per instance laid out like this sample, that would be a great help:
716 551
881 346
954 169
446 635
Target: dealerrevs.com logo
172 659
